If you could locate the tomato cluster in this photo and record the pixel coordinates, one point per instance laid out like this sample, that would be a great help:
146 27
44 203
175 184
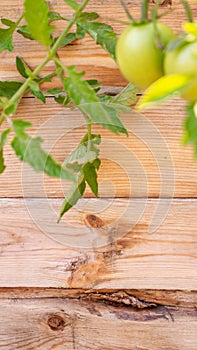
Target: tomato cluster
145 52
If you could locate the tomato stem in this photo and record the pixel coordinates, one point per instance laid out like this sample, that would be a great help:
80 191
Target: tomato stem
144 10
188 10
127 11
89 136
154 19
155 10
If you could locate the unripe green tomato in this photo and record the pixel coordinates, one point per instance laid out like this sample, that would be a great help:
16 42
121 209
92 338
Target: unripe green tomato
138 54
183 60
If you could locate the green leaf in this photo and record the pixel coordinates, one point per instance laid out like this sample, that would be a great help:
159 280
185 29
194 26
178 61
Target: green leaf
93 82
24 31
85 152
8 23
68 39
102 33
55 16
35 90
36 15
176 43
9 88
21 67
90 176
190 127
2 163
80 33
6 39
127 97
74 194
88 102
114 124
54 91
29 150
62 99
163 89
3 139
47 78
19 126
72 4
39 95
79 156
89 16
6 35
11 109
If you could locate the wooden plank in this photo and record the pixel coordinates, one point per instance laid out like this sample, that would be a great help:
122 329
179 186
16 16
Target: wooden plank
83 53
151 162
139 298
102 244
69 324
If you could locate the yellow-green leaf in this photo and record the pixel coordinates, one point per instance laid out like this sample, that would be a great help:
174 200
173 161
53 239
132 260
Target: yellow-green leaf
163 89
36 15
190 28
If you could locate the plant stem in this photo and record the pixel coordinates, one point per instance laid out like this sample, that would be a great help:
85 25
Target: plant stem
20 92
144 10
89 136
59 63
155 10
126 10
188 10
20 19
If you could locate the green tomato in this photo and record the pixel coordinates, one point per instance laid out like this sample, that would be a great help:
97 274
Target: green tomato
183 60
138 54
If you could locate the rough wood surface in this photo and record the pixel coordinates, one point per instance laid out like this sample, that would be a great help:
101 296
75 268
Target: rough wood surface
140 298
83 325
137 258
150 162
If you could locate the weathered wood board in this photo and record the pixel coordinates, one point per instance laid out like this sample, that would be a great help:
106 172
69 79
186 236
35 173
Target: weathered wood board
109 252
150 162
120 271
81 325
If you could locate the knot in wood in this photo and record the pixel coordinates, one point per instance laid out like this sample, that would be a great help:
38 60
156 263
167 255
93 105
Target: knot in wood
56 322
94 221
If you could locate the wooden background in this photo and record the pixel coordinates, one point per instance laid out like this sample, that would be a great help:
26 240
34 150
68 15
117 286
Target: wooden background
137 292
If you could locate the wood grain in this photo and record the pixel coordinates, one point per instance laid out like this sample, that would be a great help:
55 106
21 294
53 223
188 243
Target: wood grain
70 324
150 162
84 53
100 246
139 298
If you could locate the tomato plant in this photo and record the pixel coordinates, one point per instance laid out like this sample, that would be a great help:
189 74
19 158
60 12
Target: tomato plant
180 76
36 22
140 52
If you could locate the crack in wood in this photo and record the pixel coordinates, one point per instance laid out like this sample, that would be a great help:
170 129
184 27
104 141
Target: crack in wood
118 298
184 298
